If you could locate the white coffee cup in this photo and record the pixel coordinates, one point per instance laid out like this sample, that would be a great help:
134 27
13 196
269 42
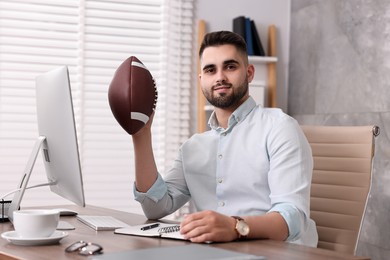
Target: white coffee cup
35 223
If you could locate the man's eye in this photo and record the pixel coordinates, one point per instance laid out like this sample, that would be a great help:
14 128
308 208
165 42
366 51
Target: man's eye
230 67
209 70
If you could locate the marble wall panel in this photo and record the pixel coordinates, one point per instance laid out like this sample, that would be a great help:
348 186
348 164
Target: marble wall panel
340 75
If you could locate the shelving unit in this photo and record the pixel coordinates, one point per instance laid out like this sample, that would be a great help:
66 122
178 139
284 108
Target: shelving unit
259 87
263 86
263 59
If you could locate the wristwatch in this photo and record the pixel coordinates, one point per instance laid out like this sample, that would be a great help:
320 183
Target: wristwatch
242 227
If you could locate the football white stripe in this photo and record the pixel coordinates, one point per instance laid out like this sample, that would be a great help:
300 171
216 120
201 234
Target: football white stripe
138 64
139 116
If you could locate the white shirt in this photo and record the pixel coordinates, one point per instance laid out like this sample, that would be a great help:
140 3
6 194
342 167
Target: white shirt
261 163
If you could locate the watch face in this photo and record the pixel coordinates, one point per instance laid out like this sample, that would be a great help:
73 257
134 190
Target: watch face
242 228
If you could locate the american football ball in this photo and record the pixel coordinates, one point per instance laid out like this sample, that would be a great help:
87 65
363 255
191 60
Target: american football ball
132 95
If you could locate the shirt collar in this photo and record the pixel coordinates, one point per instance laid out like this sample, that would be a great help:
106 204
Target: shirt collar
238 115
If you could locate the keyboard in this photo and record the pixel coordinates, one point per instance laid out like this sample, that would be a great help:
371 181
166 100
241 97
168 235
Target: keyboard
101 222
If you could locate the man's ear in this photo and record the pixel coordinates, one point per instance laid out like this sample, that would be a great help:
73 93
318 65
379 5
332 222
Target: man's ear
250 72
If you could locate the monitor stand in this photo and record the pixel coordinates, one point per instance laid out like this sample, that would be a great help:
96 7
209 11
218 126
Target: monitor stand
15 204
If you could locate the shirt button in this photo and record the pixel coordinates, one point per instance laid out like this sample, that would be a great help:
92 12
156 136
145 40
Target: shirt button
220 156
221 203
220 180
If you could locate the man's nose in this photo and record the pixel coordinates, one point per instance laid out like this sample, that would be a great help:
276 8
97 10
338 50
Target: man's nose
220 76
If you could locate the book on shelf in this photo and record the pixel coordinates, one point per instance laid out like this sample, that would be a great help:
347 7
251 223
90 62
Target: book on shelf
249 38
246 27
257 45
239 26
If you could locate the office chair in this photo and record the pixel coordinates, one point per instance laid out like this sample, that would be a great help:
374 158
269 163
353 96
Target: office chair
341 182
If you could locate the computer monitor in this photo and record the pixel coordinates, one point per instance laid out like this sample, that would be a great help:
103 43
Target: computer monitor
57 140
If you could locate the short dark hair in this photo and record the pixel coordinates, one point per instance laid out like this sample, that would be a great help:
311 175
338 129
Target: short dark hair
222 38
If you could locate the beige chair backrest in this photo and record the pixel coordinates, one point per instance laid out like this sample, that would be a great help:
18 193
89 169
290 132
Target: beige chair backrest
341 182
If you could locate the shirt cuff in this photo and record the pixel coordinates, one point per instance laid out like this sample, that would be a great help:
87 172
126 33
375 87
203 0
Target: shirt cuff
155 193
293 217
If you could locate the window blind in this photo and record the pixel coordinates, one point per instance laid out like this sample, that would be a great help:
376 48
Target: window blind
93 38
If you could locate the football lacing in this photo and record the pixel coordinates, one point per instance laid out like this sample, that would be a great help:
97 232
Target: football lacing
155 94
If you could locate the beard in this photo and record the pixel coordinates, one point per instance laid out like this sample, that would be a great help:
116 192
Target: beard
224 100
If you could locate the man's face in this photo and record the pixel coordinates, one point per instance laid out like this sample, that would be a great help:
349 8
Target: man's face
225 76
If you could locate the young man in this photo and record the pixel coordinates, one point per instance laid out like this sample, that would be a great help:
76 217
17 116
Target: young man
248 177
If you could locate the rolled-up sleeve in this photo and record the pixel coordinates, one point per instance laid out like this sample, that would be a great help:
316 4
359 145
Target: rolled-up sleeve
155 193
166 194
294 218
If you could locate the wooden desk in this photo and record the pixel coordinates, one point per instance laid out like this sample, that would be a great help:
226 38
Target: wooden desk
112 242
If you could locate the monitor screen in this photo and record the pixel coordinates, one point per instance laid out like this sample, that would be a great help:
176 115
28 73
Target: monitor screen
57 140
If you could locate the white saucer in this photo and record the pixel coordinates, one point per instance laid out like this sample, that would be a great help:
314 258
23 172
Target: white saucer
13 237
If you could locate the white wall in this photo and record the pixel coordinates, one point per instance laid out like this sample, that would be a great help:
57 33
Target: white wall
219 14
